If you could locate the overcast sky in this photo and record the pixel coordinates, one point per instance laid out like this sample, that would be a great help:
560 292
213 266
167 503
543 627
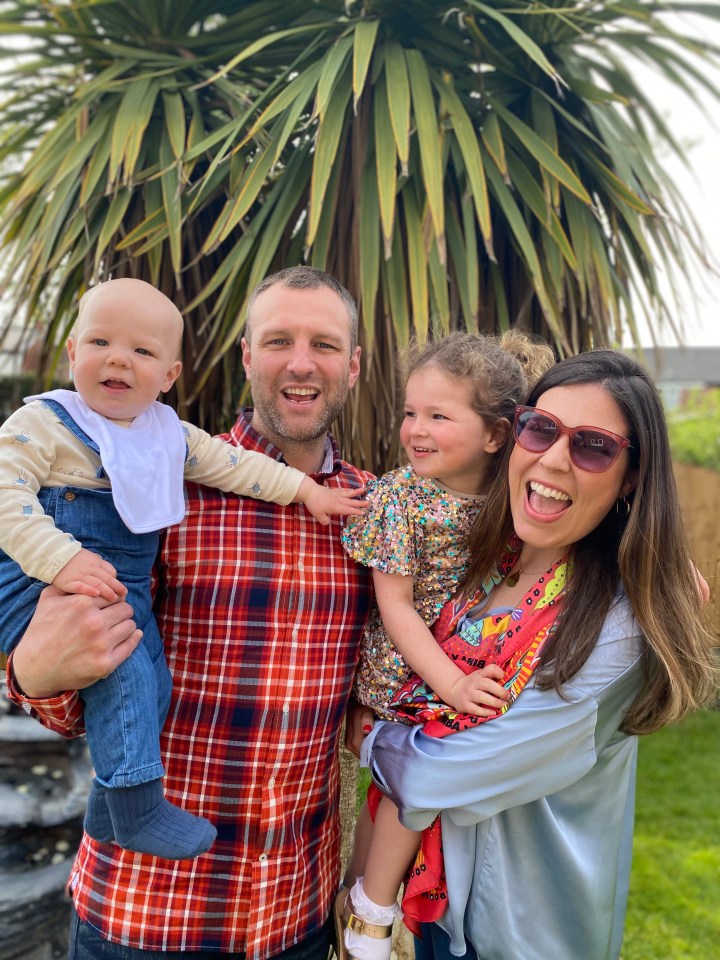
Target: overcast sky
700 133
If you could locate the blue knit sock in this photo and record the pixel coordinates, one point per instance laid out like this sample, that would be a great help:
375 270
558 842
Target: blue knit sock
98 823
145 822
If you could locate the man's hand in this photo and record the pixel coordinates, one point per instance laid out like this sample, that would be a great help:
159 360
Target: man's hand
89 574
71 642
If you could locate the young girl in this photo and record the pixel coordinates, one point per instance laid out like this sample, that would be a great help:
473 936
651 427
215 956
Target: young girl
460 398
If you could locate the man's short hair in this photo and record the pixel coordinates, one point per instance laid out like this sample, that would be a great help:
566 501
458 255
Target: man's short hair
306 278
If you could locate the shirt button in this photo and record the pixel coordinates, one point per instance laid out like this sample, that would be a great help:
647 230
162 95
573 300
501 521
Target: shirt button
286 708
295 634
300 565
271 782
262 858
69 495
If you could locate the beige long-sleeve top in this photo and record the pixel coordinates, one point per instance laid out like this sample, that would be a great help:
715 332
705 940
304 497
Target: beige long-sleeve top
37 450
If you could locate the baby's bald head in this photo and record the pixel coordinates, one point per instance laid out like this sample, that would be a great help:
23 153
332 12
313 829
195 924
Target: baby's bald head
130 301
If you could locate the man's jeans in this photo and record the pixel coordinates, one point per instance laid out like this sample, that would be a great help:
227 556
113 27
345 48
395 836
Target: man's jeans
87 944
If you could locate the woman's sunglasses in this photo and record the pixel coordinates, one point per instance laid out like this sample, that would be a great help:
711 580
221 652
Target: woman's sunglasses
591 448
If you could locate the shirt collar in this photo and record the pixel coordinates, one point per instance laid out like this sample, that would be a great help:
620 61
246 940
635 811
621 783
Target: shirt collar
243 434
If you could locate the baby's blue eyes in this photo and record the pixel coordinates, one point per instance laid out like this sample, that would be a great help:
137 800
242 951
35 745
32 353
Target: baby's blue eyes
99 342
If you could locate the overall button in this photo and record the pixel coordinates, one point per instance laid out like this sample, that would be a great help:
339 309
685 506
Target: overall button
69 495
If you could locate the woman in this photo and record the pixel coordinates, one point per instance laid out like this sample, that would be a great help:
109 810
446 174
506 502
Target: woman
537 806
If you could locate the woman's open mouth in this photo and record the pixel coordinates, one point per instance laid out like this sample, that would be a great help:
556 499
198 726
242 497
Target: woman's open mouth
546 501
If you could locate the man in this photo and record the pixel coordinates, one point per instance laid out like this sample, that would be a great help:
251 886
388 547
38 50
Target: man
261 612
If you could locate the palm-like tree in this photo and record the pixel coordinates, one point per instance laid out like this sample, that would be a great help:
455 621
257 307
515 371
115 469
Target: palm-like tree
478 164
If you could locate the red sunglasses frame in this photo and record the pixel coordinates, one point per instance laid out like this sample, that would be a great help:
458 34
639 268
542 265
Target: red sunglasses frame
570 432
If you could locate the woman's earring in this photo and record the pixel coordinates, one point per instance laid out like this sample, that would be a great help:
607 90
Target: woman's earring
622 506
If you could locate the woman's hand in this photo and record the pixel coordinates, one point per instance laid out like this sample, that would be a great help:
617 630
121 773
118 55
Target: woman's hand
359 721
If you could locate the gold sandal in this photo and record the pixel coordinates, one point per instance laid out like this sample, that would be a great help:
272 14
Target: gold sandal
345 919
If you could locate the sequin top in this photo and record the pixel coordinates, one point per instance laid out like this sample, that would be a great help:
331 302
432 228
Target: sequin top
416 528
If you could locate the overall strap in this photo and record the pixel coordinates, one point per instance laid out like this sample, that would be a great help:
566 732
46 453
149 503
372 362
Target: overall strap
62 415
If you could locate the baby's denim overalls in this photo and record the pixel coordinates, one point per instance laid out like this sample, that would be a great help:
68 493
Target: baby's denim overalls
124 713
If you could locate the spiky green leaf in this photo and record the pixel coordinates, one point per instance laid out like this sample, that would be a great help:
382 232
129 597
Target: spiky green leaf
363 45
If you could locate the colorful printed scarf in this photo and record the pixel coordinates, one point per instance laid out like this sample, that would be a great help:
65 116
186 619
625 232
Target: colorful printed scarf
514 640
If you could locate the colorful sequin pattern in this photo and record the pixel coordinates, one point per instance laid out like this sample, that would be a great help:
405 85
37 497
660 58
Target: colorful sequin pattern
415 528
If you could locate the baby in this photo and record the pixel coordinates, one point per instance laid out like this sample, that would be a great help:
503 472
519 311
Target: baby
87 481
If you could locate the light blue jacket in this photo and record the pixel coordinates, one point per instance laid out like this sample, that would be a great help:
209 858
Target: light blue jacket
537 808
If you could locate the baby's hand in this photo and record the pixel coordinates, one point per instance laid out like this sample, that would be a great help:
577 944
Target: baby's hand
326 502
89 574
478 693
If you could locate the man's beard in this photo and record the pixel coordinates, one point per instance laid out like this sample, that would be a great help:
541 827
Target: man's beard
299 432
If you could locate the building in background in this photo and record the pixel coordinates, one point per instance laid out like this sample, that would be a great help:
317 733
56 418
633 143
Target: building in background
678 371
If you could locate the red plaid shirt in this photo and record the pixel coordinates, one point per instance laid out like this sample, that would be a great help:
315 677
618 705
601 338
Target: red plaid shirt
261 611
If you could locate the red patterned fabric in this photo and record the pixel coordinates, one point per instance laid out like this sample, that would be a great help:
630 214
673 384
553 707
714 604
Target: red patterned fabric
262 611
514 641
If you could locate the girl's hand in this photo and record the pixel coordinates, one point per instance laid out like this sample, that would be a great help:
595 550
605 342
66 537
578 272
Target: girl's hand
480 693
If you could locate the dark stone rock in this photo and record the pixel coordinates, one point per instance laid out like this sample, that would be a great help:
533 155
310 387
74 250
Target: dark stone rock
35 913
44 780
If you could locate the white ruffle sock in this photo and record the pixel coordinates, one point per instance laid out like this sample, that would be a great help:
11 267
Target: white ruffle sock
360 945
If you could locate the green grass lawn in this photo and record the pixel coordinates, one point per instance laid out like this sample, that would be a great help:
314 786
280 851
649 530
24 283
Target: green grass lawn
674 908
